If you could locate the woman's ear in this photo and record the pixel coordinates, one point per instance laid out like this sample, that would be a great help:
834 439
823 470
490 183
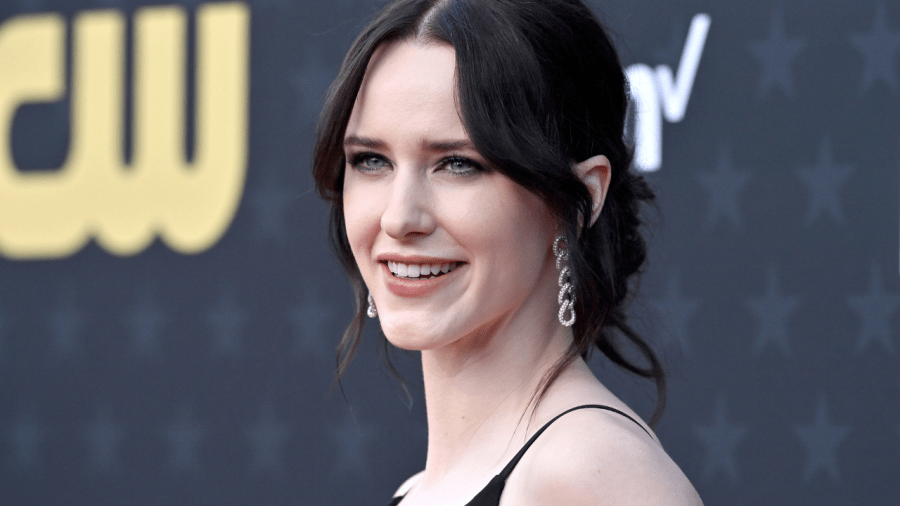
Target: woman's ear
595 173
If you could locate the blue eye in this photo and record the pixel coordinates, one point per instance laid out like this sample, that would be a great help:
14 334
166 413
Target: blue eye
462 166
368 162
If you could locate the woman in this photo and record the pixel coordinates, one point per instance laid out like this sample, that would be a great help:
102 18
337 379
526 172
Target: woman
483 206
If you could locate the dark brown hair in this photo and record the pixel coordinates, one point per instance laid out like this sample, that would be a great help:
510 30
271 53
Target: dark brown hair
540 85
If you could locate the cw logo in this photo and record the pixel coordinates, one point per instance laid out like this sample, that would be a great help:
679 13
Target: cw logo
658 93
52 214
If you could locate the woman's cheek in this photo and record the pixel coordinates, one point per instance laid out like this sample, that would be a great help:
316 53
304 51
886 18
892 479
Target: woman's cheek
360 223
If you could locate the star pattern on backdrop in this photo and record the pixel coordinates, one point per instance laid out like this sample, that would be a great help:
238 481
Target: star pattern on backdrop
227 321
720 439
310 322
310 82
101 386
772 311
183 435
775 55
879 47
270 202
350 439
145 320
821 440
676 310
875 310
823 182
25 439
67 323
724 185
103 436
267 437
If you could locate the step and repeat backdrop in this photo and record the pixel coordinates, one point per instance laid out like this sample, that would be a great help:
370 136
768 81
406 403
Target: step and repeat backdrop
169 305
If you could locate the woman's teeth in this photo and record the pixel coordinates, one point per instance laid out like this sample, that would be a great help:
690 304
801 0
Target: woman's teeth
423 271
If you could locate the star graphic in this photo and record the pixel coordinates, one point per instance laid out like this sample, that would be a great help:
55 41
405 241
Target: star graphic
824 181
145 321
724 185
104 435
310 83
676 311
821 439
720 439
270 202
227 321
183 435
310 322
25 439
875 310
879 47
775 55
350 439
772 312
267 437
67 322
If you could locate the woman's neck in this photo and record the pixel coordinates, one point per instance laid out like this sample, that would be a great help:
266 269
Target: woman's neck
479 392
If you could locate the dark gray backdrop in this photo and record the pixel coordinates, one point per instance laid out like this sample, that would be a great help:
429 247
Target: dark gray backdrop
772 291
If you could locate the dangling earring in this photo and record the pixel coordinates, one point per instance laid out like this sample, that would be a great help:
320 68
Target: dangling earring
566 282
372 311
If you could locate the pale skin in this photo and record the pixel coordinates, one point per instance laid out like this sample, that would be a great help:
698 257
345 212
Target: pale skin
489 332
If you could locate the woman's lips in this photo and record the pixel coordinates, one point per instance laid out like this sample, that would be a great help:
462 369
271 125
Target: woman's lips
419 286
420 270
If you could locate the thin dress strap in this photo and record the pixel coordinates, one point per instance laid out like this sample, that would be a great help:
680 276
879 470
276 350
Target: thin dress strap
512 463
490 494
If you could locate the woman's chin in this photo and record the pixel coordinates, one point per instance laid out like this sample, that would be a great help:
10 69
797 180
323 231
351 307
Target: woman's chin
412 336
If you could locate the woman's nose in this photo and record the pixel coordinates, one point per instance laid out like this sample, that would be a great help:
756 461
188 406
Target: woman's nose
408 211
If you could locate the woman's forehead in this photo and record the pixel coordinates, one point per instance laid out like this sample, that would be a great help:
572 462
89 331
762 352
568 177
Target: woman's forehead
411 68
408 84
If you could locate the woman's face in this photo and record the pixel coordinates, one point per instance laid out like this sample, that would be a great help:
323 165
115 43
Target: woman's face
448 248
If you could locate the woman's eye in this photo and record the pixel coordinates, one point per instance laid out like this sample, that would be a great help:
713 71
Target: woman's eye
368 162
462 166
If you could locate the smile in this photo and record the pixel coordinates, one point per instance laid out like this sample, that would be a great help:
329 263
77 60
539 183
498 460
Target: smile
420 271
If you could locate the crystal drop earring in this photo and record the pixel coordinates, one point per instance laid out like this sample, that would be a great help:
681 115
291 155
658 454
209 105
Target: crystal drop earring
566 282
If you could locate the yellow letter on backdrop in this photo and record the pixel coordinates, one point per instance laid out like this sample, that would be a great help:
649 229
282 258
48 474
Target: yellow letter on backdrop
52 214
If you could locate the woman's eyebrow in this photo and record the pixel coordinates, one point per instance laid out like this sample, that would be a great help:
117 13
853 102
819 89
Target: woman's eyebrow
439 146
448 145
365 142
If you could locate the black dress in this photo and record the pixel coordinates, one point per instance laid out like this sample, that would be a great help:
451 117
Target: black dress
490 494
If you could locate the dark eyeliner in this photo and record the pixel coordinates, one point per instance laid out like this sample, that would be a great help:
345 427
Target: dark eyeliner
475 167
356 161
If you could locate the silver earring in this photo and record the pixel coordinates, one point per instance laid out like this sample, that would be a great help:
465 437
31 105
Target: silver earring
371 311
566 282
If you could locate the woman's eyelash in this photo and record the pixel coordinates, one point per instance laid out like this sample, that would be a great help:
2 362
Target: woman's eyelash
359 160
473 165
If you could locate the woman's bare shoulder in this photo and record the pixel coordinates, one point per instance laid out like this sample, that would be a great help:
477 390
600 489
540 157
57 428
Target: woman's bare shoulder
408 484
598 457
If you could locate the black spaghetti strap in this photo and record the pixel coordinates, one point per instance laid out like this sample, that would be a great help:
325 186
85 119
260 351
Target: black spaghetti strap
490 494
512 463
